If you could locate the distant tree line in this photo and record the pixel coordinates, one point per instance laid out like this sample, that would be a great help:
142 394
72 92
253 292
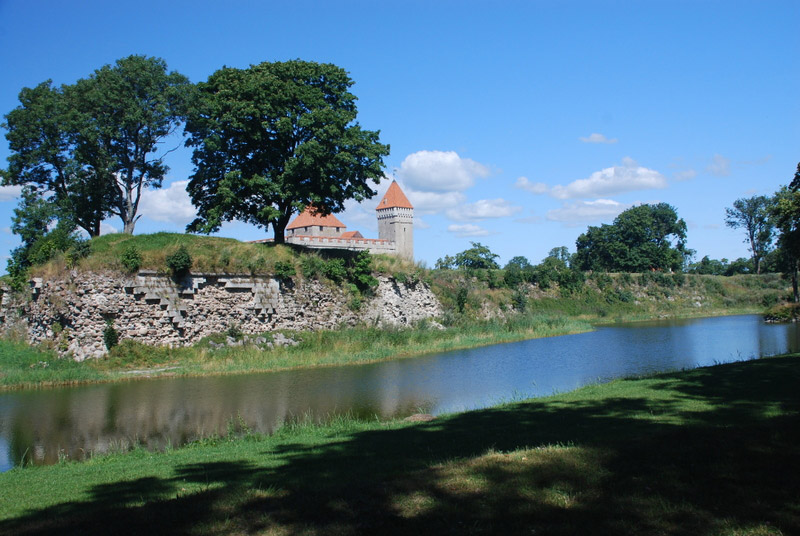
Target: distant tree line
652 238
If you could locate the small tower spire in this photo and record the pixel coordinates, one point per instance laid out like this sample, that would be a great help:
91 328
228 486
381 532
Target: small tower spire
396 220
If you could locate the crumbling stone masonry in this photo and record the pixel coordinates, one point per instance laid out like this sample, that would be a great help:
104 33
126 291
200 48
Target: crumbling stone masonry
73 311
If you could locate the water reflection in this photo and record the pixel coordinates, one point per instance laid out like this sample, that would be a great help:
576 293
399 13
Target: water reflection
41 426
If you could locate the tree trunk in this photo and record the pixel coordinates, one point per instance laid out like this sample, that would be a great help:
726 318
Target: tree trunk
795 294
279 226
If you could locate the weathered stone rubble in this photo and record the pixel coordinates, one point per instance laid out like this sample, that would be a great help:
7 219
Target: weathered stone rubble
73 311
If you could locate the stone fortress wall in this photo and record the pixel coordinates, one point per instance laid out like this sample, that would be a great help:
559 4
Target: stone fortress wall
72 311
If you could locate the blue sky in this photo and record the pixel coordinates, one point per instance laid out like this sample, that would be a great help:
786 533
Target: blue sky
514 124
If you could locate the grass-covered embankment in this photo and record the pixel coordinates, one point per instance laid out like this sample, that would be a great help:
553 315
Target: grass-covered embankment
22 366
707 451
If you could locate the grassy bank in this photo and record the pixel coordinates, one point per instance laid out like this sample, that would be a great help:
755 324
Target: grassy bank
22 366
706 451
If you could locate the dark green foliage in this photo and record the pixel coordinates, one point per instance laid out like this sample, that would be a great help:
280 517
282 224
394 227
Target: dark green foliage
335 270
131 259
645 237
601 279
360 273
110 335
519 300
753 215
179 262
494 279
32 219
445 263
275 137
79 250
256 264
312 266
234 332
92 144
518 271
461 298
478 257
570 281
284 270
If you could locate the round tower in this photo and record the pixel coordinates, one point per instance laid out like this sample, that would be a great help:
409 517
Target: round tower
396 221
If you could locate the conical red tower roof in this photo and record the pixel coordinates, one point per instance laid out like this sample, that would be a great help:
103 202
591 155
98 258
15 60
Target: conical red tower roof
394 198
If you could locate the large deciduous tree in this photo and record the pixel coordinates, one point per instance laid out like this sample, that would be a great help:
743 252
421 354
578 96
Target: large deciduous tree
753 215
275 137
94 145
786 210
127 110
43 133
642 238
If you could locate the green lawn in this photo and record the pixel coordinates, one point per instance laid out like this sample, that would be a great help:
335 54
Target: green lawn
708 451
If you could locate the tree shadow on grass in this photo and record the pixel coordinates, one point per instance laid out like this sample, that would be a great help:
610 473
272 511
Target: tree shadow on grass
732 469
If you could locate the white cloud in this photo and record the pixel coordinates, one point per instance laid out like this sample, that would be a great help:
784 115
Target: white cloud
613 180
170 204
685 175
433 202
483 209
107 228
7 230
10 193
587 211
439 171
597 138
534 187
419 223
467 230
719 166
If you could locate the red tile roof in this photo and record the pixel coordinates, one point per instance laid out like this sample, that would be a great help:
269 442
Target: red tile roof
309 217
352 234
394 198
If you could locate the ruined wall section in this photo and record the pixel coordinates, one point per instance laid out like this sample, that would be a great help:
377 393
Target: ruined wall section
73 311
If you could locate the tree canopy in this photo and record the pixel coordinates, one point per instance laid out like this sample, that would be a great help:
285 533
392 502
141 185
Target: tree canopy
753 215
642 238
92 145
275 137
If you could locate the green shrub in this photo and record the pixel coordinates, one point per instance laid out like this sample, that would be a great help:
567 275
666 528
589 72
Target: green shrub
179 262
256 264
312 266
334 270
79 250
284 270
519 300
355 298
461 298
131 259
110 335
361 272
234 331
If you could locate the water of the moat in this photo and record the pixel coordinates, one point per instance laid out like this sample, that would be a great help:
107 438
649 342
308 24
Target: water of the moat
43 425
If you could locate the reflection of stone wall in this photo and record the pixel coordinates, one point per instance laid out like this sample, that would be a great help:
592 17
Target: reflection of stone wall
154 309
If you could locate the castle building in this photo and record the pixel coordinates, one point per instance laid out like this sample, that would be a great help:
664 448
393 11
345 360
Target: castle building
395 228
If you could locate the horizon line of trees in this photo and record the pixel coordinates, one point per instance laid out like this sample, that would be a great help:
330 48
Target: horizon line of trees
652 238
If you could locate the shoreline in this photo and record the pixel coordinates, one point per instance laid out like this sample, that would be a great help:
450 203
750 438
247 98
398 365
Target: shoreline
200 362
